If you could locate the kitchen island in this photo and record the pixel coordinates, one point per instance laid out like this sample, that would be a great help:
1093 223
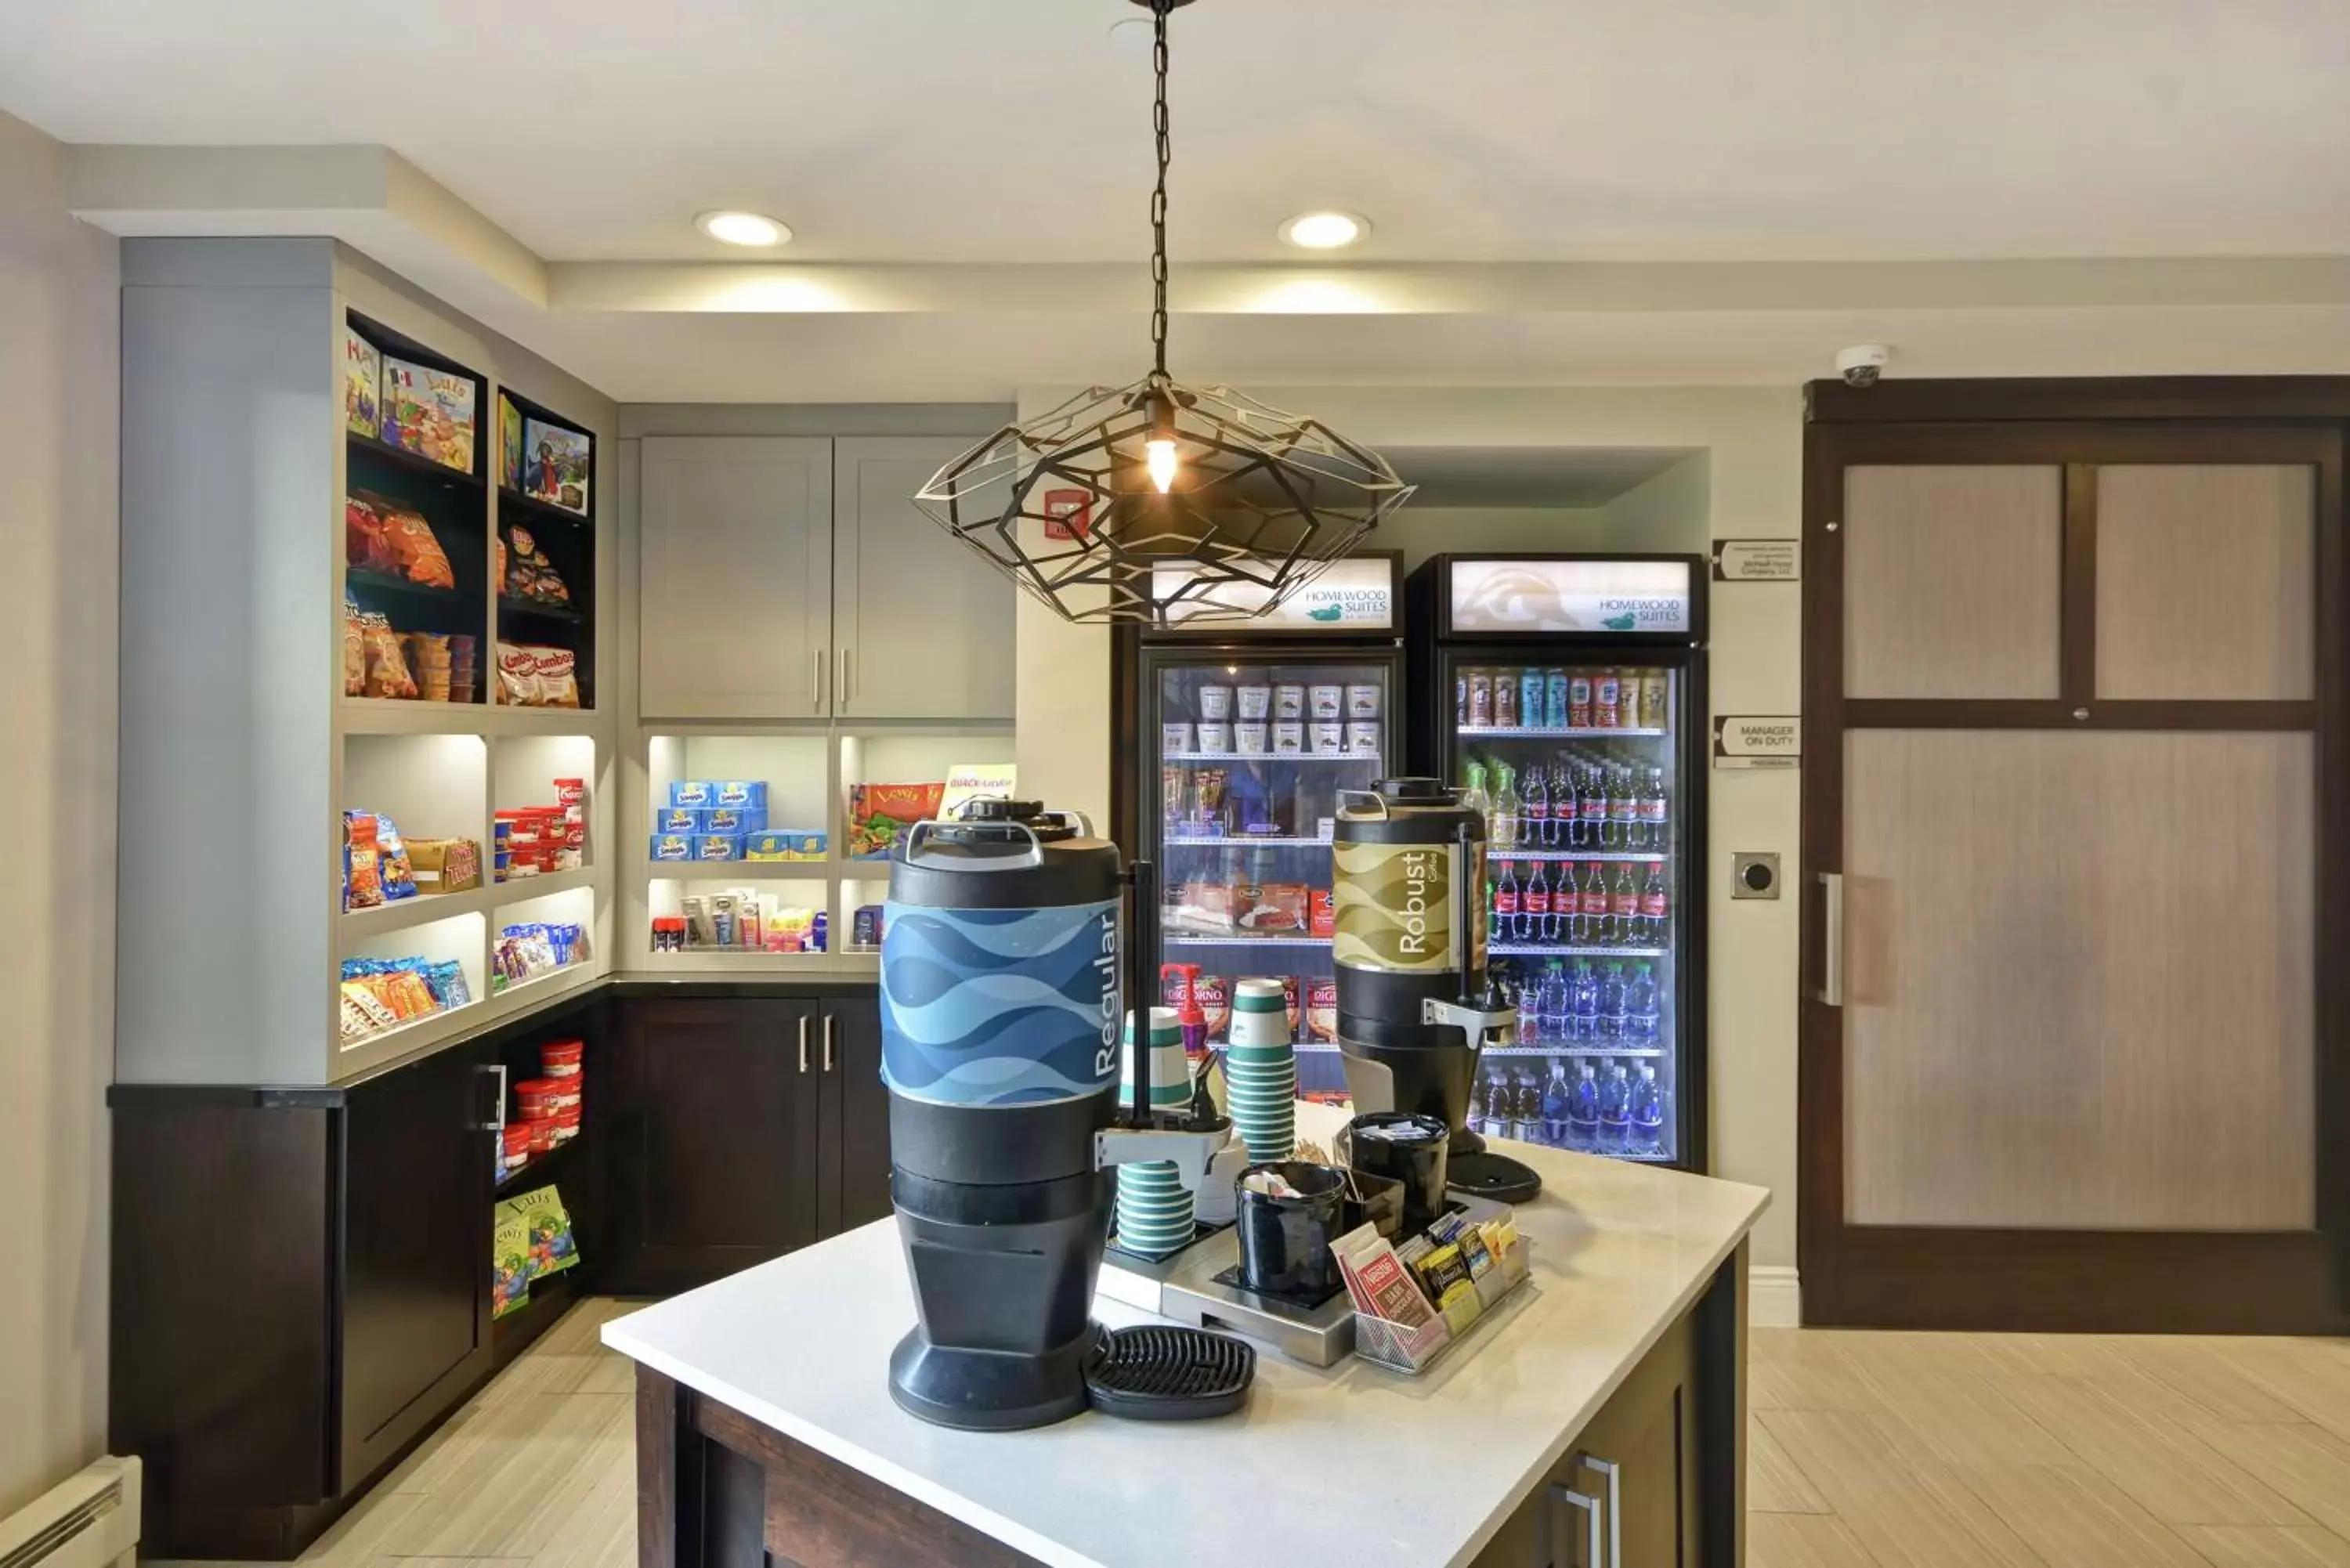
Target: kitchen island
765 1422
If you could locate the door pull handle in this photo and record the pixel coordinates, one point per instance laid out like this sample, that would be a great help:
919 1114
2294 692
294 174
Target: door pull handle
1590 1509
1831 950
815 680
803 1042
1612 1471
497 1122
828 1042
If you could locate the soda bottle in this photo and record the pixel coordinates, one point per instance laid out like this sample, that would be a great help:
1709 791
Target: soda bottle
1480 699
1616 1112
1578 700
1474 796
1533 904
1459 698
1606 700
1583 1110
1505 700
1481 1100
1648 1114
1525 1108
1531 688
1584 999
1611 1002
1641 1023
1554 1105
1495 1121
1533 821
1505 904
1623 809
1653 804
1594 816
1561 828
1508 809
1556 695
1624 909
1595 922
1552 1005
1492 910
1654 908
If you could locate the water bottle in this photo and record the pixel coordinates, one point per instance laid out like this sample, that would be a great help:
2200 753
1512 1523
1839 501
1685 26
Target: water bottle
1616 1113
1611 1002
1554 1105
1554 1005
1640 1020
1585 1003
1647 1114
1583 1111
1528 998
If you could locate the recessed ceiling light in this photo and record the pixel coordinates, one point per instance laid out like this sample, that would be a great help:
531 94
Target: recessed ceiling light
743 229
1325 231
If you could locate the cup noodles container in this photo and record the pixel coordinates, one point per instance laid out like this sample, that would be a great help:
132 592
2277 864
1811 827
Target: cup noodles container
560 1058
1363 701
1328 739
1249 738
1289 702
1215 702
1326 701
1256 702
1175 740
1288 738
1215 739
1363 740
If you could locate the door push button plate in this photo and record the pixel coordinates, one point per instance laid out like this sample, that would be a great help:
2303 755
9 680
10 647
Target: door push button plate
1753 874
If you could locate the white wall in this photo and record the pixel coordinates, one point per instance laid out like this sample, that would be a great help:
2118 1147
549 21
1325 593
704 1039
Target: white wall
1746 482
58 355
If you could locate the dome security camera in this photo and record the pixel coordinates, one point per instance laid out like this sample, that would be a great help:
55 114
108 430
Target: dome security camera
1862 364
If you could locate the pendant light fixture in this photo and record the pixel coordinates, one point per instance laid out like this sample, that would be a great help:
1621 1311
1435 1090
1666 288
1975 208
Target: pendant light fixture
1160 503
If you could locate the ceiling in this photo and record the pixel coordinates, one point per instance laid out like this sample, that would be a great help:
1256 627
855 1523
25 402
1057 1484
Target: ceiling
1475 133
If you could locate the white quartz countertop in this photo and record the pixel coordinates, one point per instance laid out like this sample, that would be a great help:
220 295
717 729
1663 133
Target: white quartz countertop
1352 1465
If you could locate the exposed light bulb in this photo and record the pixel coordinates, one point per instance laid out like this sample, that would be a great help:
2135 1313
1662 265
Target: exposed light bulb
1159 457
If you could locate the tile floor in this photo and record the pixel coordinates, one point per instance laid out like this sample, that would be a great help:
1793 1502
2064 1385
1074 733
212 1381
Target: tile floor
1867 1450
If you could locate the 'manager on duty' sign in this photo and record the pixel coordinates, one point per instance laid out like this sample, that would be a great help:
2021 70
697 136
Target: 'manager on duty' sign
1744 741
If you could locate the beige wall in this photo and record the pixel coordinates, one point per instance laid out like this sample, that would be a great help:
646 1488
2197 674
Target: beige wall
1747 482
59 357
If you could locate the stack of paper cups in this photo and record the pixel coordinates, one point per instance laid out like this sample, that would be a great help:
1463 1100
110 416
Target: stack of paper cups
1260 1072
1155 1210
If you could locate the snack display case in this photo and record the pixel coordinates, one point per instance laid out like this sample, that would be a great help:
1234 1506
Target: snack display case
1251 733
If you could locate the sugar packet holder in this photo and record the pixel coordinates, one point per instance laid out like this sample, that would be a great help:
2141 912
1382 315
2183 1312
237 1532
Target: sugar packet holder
1412 1348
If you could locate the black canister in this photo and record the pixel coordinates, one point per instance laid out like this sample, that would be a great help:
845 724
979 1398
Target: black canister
1401 854
1410 1147
1285 1242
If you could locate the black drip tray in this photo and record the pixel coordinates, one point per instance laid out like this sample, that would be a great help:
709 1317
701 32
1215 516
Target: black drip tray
1303 1300
1494 1175
1156 1373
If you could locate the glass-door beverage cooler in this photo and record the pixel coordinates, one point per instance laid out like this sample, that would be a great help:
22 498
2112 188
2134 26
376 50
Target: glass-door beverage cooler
1566 693
1250 731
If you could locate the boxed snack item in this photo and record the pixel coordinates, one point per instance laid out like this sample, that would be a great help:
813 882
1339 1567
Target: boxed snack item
1321 916
880 814
1201 907
524 572
1275 909
429 412
784 844
445 865
718 847
1322 1009
672 847
555 465
509 443
1214 993
362 384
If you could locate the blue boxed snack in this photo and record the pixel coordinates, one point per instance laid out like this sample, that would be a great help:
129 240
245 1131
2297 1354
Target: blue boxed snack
671 847
751 792
784 844
685 819
718 847
693 792
733 819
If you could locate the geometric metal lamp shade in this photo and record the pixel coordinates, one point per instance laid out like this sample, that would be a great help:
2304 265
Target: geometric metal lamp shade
1259 502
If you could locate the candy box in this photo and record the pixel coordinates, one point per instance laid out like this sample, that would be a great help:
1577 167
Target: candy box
718 847
429 412
363 385
879 814
746 793
784 844
677 819
674 847
736 819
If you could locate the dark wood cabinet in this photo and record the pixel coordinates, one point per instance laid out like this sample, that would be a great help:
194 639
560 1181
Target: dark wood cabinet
417 1170
857 1115
711 1115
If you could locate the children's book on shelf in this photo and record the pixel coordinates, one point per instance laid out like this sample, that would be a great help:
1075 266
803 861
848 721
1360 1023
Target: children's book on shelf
509 443
429 412
362 384
555 465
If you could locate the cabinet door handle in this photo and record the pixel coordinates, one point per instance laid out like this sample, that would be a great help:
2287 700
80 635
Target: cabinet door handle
1832 940
497 1122
1590 1507
847 676
803 1042
1613 1471
828 1042
815 680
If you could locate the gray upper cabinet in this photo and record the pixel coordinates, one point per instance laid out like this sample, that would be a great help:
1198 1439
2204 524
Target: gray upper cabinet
921 626
735 584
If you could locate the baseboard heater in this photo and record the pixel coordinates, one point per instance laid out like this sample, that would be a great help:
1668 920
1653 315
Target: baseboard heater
89 1522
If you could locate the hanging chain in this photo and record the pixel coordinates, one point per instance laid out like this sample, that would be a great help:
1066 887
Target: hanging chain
1158 9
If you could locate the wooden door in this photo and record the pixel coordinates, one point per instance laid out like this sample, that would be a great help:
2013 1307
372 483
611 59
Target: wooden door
734 590
2071 695
857 1115
416 1178
923 625
713 1128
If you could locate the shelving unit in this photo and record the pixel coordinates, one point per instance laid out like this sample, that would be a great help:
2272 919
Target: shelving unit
1608 857
1536 732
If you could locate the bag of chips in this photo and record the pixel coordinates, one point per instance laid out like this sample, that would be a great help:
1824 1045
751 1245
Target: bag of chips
517 675
366 547
559 684
525 570
391 858
413 548
362 869
387 667
354 652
